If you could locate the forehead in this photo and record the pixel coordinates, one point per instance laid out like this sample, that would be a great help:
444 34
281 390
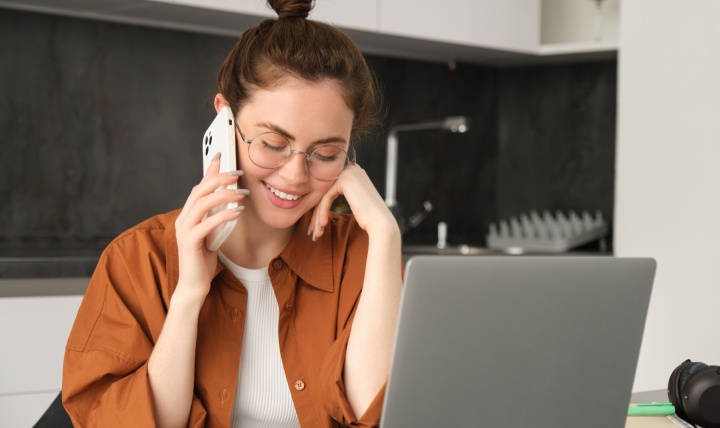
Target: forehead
293 100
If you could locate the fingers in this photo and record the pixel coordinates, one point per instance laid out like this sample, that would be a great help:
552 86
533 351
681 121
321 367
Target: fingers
214 164
193 223
351 178
368 207
196 225
321 213
195 234
202 206
366 204
213 180
211 183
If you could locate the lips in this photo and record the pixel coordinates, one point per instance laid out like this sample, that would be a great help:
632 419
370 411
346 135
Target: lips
283 195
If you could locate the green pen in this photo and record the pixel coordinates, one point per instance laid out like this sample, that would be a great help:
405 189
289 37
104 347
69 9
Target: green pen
651 409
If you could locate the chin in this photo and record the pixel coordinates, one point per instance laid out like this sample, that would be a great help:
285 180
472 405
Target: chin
282 218
281 222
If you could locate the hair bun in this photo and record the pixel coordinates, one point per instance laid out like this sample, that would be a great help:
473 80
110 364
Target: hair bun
291 8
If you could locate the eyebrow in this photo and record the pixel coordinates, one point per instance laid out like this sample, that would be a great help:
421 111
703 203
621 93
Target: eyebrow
277 128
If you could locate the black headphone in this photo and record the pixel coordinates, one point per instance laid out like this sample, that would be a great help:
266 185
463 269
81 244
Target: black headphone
694 390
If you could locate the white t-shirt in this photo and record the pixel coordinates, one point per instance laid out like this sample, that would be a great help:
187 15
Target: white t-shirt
262 398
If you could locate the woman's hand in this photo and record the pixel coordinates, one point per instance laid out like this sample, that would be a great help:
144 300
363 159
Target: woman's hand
367 359
197 263
366 204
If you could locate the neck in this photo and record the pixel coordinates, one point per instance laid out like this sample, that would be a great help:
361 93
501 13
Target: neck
253 244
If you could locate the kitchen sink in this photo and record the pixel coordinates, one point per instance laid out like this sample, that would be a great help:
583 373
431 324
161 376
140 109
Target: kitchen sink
450 250
468 250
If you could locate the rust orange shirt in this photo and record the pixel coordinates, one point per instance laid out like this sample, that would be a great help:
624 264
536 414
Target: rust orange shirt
317 286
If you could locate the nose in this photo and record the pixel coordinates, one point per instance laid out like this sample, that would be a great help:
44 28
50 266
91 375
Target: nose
295 169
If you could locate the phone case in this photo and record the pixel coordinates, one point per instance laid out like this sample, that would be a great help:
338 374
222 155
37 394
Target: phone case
220 138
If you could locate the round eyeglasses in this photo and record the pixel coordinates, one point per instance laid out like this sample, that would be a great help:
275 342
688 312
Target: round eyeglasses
271 150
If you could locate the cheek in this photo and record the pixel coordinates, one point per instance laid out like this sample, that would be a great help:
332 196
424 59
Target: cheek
246 165
252 174
241 155
320 189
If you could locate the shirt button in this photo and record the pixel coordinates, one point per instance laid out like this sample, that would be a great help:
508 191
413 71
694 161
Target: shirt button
289 306
223 396
299 385
278 264
234 315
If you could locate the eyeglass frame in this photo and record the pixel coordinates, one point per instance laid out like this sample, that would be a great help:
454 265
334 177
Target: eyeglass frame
349 160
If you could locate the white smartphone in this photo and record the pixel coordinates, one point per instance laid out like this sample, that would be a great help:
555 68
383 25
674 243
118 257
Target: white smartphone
220 138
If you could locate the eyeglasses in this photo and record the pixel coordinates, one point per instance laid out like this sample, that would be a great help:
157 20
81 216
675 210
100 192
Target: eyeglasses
271 150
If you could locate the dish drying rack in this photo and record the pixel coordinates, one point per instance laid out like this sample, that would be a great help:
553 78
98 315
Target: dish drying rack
546 233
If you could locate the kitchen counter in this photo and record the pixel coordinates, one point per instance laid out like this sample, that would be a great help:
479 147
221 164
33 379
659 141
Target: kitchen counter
48 262
67 262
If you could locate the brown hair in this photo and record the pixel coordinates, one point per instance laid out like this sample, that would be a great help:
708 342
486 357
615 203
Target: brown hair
311 50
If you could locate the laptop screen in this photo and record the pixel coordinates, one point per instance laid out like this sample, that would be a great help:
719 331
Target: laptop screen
517 341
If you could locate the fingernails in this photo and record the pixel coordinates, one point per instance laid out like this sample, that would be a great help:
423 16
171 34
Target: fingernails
242 192
238 208
236 173
216 157
319 228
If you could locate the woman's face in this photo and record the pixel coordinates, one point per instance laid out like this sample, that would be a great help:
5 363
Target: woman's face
309 115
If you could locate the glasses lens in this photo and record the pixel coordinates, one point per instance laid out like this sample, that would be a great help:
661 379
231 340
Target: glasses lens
327 162
269 150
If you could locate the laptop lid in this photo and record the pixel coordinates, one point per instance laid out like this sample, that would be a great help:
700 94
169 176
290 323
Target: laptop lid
517 341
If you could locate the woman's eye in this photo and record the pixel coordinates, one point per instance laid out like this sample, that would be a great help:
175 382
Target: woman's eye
328 154
273 145
325 158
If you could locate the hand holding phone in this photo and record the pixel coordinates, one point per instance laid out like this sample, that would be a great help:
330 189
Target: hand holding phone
220 138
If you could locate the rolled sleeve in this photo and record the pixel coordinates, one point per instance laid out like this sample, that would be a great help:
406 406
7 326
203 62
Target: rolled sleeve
333 388
105 370
112 400
109 400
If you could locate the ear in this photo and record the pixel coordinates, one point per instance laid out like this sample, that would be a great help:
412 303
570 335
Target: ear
220 102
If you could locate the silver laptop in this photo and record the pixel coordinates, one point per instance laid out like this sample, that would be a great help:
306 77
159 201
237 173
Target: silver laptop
488 341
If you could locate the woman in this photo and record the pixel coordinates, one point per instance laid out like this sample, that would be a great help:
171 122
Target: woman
272 330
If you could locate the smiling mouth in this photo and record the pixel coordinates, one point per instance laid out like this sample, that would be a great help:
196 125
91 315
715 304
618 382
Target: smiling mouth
282 195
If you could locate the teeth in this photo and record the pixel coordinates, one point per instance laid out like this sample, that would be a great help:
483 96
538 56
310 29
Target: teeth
282 195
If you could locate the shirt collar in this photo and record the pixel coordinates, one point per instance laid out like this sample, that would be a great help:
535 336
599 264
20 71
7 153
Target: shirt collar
311 261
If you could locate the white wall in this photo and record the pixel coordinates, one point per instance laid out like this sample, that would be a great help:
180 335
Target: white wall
33 336
668 175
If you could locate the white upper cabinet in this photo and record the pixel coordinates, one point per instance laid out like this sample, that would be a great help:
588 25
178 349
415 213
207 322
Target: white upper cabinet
512 25
358 15
350 14
250 7
481 31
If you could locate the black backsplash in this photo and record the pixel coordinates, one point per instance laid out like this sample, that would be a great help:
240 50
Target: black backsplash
102 125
